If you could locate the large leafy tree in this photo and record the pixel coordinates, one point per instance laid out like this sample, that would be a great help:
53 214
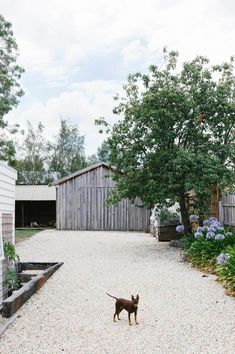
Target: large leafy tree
32 162
10 90
175 135
68 150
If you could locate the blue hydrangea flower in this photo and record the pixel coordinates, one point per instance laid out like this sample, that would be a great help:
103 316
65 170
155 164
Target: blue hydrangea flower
228 234
215 221
220 228
212 219
219 237
212 228
222 259
206 222
180 229
198 234
210 234
193 218
205 228
199 229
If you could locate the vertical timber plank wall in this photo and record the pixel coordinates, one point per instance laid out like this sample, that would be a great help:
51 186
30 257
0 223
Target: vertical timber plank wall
228 207
81 205
7 215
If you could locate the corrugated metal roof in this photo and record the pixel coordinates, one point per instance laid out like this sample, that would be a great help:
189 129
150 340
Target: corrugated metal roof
81 172
40 193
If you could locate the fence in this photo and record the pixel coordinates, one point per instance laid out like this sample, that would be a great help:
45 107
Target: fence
227 210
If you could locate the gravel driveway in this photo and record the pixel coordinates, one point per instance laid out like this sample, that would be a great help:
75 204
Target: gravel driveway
179 311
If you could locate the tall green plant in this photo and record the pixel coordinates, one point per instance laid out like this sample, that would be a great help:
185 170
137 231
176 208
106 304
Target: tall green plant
11 280
33 156
175 134
10 90
10 251
67 151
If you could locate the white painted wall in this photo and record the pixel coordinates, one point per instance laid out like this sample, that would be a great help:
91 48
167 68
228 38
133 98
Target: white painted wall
7 206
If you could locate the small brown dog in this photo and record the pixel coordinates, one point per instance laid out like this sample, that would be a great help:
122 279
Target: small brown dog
129 305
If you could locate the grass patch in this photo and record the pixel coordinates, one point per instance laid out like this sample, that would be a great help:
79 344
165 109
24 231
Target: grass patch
22 234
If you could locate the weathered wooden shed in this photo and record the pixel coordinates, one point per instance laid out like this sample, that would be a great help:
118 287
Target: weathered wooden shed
7 216
81 203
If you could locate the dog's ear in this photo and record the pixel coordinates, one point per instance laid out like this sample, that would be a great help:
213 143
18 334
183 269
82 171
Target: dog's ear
132 298
137 297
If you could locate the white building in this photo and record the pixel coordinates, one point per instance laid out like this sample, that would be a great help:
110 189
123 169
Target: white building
7 215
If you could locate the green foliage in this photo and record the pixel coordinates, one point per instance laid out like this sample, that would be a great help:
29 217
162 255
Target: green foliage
92 159
203 252
11 281
103 152
206 243
10 90
187 241
175 134
68 151
22 234
10 251
33 155
166 214
226 272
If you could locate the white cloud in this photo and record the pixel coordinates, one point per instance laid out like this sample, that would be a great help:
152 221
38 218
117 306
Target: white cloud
56 35
57 38
85 103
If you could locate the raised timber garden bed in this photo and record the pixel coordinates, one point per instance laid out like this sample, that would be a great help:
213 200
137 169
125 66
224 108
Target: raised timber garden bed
32 276
167 232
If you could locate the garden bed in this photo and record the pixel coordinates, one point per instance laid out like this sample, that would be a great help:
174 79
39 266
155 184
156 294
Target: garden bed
167 232
31 283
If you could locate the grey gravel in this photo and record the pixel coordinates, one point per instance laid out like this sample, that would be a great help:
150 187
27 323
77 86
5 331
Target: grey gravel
179 312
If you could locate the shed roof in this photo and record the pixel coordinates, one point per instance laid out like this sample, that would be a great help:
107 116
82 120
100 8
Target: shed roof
35 192
81 172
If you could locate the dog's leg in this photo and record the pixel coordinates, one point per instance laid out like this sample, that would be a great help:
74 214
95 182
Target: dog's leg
120 310
129 317
136 318
116 312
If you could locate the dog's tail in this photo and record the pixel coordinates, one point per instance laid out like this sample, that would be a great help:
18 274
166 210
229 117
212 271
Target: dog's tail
112 296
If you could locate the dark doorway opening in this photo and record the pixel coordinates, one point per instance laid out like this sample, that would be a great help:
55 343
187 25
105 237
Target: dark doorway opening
41 212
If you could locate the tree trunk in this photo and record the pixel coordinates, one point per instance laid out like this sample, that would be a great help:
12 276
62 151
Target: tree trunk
184 214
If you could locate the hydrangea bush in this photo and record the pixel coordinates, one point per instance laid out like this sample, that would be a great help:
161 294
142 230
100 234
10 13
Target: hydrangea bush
207 242
226 268
211 246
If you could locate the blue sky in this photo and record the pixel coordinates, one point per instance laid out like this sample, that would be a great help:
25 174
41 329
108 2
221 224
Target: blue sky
77 54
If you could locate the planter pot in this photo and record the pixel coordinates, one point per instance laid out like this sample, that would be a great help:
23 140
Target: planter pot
167 232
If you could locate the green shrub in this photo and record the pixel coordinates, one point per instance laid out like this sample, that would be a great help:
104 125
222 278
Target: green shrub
10 251
11 281
207 242
203 252
187 241
226 268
